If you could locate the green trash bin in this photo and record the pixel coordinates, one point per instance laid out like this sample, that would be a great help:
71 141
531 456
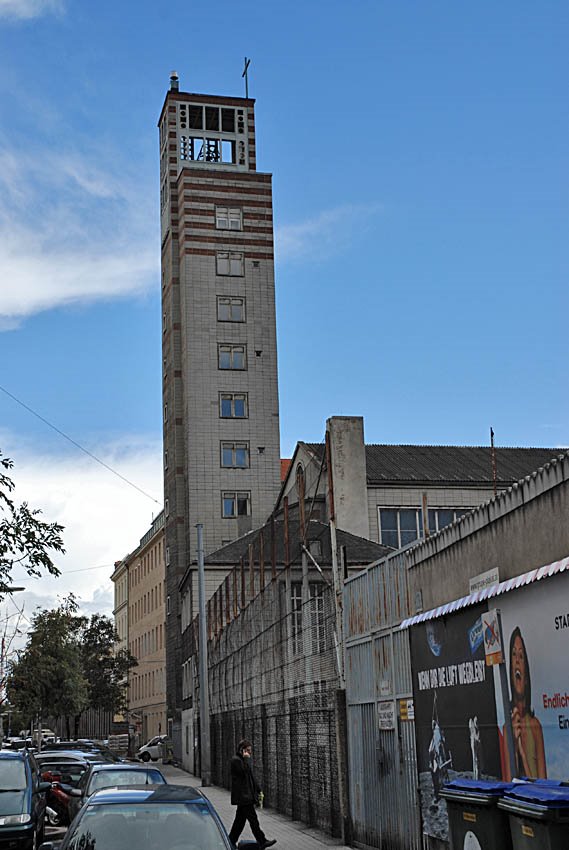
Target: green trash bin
539 816
475 821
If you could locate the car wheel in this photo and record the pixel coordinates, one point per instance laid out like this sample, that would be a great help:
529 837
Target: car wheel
145 756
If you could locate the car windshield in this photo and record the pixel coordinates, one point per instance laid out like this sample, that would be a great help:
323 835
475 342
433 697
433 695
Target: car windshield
114 778
170 826
12 775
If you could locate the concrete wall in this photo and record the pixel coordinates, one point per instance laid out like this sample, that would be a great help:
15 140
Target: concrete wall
520 529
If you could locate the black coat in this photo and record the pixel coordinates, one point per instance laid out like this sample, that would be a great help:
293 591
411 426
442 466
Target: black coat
244 787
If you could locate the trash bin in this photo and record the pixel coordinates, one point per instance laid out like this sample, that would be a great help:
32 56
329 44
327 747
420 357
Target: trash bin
475 821
539 816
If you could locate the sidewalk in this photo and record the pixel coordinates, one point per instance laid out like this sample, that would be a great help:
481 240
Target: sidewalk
289 834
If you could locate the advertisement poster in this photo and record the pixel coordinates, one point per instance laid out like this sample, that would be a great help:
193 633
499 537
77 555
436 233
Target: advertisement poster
535 627
455 709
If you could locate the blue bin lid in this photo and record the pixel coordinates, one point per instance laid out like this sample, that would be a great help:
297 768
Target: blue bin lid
541 793
490 787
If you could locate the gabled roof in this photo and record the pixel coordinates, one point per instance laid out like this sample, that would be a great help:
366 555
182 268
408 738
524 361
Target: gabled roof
359 551
466 465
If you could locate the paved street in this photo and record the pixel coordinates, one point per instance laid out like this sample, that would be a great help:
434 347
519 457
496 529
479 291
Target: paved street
289 834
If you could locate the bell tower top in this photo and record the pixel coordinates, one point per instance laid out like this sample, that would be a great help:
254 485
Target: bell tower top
207 131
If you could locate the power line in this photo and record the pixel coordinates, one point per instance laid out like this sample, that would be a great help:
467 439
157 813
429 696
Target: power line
69 572
78 446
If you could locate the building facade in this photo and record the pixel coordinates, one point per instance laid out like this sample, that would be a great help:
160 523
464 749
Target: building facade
120 608
140 622
220 390
399 494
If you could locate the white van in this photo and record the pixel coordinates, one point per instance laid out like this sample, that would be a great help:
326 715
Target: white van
152 750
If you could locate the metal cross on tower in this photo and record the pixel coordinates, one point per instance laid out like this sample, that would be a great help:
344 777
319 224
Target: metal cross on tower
245 74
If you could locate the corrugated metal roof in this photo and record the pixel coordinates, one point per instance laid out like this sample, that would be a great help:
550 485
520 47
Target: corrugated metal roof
449 464
489 592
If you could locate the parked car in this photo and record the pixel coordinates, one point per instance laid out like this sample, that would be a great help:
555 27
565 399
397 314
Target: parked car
88 747
22 800
111 776
75 755
153 749
171 817
48 736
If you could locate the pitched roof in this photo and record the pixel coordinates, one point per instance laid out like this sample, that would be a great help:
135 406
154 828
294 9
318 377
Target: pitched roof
359 551
449 464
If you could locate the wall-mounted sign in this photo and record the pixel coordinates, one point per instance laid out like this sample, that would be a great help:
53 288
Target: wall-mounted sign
386 715
487 579
406 709
492 642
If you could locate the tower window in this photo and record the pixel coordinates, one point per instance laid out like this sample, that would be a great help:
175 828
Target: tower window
235 504
230 309
230 263
233 405
228 218
235 455
231 356
198 149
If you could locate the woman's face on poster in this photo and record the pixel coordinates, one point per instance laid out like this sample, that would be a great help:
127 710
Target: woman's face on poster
518 662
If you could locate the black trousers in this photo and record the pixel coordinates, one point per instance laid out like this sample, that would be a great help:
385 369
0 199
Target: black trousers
243 814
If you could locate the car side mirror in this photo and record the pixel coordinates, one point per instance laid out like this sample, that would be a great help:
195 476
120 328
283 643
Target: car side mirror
43 787
75 792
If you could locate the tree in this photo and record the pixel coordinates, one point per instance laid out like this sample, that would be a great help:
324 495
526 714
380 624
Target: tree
69 665
104 669
47 678
25 540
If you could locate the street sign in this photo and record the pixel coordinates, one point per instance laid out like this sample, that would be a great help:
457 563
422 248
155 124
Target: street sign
487 579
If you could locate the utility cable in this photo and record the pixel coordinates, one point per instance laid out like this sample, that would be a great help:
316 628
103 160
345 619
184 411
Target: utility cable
78 446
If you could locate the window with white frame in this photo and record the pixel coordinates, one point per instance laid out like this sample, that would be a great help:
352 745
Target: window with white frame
233 405
231 356
318 627
229 263
296 617
235 455
400 526
228 218
230 309
235 504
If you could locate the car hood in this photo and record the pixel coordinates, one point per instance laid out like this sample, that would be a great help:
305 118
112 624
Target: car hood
12 802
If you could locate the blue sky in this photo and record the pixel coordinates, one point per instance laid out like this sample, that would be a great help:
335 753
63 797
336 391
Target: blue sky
420 161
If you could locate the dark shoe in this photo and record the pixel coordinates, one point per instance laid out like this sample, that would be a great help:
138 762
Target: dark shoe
268 844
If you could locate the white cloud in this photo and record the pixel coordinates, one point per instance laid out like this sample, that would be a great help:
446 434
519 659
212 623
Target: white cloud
327 233
26 9
104 517
72 231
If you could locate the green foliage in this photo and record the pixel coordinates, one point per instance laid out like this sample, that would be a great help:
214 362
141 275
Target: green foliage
47 679
104 670
69 665
25 540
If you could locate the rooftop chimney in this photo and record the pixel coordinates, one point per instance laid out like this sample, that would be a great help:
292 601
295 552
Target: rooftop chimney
174 81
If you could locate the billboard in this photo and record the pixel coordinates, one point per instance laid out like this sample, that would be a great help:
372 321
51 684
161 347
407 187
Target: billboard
455 711
463 706
535 626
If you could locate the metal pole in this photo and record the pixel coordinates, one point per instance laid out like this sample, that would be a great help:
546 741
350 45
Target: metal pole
204 684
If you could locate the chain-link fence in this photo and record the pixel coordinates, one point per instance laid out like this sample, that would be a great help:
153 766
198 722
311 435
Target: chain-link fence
273 679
